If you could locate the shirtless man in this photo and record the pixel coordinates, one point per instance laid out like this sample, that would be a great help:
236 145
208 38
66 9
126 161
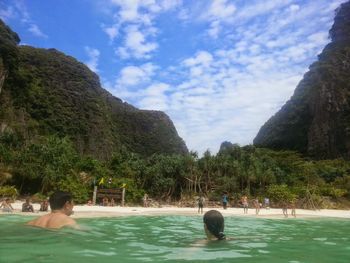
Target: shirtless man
61 204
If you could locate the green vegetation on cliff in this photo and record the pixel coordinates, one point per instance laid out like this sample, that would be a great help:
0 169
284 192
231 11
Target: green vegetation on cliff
46 93
316 120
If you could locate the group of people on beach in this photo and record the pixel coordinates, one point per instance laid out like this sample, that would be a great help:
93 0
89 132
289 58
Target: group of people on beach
244 203
26 206
108 202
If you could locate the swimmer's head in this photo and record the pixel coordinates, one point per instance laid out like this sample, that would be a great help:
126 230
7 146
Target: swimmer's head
214 224
61 201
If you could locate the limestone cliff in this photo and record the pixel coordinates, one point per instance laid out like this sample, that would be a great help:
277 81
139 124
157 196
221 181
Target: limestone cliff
316 120
45 92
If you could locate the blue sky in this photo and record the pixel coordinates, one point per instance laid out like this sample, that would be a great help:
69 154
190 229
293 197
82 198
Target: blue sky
220 69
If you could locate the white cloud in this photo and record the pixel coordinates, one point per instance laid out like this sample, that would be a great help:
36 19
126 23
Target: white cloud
22 10
111 31
214 29
294 7
154 97
142 11
183 15
137 17
129 9
257 8
202 58
217 13
35 30
136 45
220 9
18 10
319 38
169 4
133 75
150 95
93 55
224 104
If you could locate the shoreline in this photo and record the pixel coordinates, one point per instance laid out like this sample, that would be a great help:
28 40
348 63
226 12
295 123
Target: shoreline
85 211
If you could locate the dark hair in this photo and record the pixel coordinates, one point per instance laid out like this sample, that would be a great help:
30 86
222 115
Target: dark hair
58 199
215 223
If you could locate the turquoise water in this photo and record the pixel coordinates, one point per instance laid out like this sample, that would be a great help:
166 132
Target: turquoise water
177 239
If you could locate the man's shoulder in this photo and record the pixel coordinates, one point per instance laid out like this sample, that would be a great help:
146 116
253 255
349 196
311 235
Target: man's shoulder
70 222
66 220
53 221
34 222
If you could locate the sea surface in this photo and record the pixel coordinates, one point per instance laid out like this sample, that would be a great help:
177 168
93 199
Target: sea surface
177 239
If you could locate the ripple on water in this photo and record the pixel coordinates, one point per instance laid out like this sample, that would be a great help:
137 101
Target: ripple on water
320 238
330 243
94 253
162 239
202 254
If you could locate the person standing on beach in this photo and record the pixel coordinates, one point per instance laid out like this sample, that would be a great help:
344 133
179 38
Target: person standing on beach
245 204
292 206
285 209
200 202
61 204
105 201
257 206
112 202
267 203
224 201
145 200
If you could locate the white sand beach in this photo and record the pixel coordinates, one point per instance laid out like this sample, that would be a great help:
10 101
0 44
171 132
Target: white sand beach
84 211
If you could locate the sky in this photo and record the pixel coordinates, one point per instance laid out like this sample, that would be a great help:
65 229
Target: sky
219 68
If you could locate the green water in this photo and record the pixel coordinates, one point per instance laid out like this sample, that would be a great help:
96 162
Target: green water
177 239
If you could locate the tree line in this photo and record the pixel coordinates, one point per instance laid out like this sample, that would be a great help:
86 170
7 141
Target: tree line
51 163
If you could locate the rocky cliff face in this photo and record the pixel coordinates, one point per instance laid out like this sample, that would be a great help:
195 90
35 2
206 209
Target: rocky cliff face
8 51
44 92
316 120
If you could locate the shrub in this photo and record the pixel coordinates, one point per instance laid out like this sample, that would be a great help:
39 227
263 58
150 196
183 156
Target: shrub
333 192
38 197
8 191
132 193
280 193
81 193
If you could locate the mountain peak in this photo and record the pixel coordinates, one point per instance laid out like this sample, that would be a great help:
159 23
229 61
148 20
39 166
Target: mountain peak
341 28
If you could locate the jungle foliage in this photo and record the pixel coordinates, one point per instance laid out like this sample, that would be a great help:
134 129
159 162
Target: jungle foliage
52 163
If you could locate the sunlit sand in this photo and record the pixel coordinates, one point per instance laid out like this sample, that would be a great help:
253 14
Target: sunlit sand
84 211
